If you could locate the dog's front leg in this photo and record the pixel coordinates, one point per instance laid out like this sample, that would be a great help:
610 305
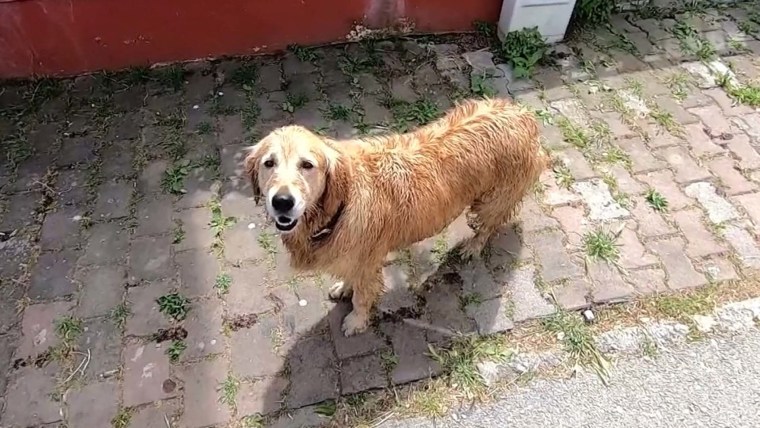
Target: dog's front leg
366 290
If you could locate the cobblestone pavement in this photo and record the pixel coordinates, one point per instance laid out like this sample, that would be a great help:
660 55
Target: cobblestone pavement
142 287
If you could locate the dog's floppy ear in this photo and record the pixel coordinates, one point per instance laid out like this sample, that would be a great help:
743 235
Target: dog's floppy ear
337 181
252 162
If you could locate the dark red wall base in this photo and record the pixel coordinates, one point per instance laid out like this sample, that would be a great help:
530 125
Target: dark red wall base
67 37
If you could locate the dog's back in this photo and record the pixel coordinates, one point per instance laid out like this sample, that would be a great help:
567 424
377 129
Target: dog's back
483 154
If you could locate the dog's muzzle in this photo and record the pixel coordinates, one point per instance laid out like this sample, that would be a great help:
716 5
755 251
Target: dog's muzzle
285 223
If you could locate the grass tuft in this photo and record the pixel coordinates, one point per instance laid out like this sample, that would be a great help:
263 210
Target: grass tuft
174 305
578 341
601 245
656 200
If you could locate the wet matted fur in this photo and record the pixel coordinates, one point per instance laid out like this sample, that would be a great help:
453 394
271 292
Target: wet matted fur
365 198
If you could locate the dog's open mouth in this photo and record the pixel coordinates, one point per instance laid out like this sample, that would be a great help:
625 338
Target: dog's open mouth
285 224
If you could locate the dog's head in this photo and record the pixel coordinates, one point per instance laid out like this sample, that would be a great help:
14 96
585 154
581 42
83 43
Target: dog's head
296 171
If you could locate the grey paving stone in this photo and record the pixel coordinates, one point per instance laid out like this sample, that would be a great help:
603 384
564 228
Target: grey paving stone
554 261
102 289
28 400
145 317
146 375
362 374
150 259
61 229
53 275
359 344
204 330
313 367
198 271
253 350
106 243
410 349
102 338
527 300
95 405
38 327
154 416
154 215
202 404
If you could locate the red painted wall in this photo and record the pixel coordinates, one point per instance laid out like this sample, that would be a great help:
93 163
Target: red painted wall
66 37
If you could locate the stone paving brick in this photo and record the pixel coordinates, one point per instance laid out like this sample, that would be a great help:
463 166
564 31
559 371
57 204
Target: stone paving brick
664 183
146 375
7 345
608 284
745 246
16 252
732 181
52 275
253 350
38 327
198 270
154 416
719 269
306 417
443 310
642 159
77 151
727 105
532 219
204 330
682 116
202 406
200 186
363 373
154 215
117 159
247 281
309 316
150 259
242 243
572 294
410 350
492 316
23 213
102 289
195 225
577 164
61 229
101 337
700 241
359 344
313 368
106 243
686 169
718 209
29 399
479 280
749 123
680 270
145 317
714 120
261 397
701 144
554 261
555 196
751 205
526 299
597 197
151 176
633 255
648 281
573 220
747 156
94 405
625 182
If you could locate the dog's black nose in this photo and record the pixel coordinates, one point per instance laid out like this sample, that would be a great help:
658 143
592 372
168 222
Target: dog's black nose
283 202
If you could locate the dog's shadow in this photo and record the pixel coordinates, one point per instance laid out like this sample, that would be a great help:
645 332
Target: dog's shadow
432 297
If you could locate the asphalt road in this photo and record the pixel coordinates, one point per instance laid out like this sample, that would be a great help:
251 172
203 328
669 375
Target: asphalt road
715 383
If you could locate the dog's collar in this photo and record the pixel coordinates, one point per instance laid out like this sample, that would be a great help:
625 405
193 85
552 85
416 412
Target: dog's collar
325 231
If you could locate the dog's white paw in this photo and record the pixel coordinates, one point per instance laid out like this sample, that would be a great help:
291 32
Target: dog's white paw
353 324
340 290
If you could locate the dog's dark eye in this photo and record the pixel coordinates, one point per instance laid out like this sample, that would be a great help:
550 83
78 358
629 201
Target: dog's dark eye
269 163
307 165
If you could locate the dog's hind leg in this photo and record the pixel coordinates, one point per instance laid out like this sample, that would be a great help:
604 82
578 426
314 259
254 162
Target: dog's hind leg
491 210
366 292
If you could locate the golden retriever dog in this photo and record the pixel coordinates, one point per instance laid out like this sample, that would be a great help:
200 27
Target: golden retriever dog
342 206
